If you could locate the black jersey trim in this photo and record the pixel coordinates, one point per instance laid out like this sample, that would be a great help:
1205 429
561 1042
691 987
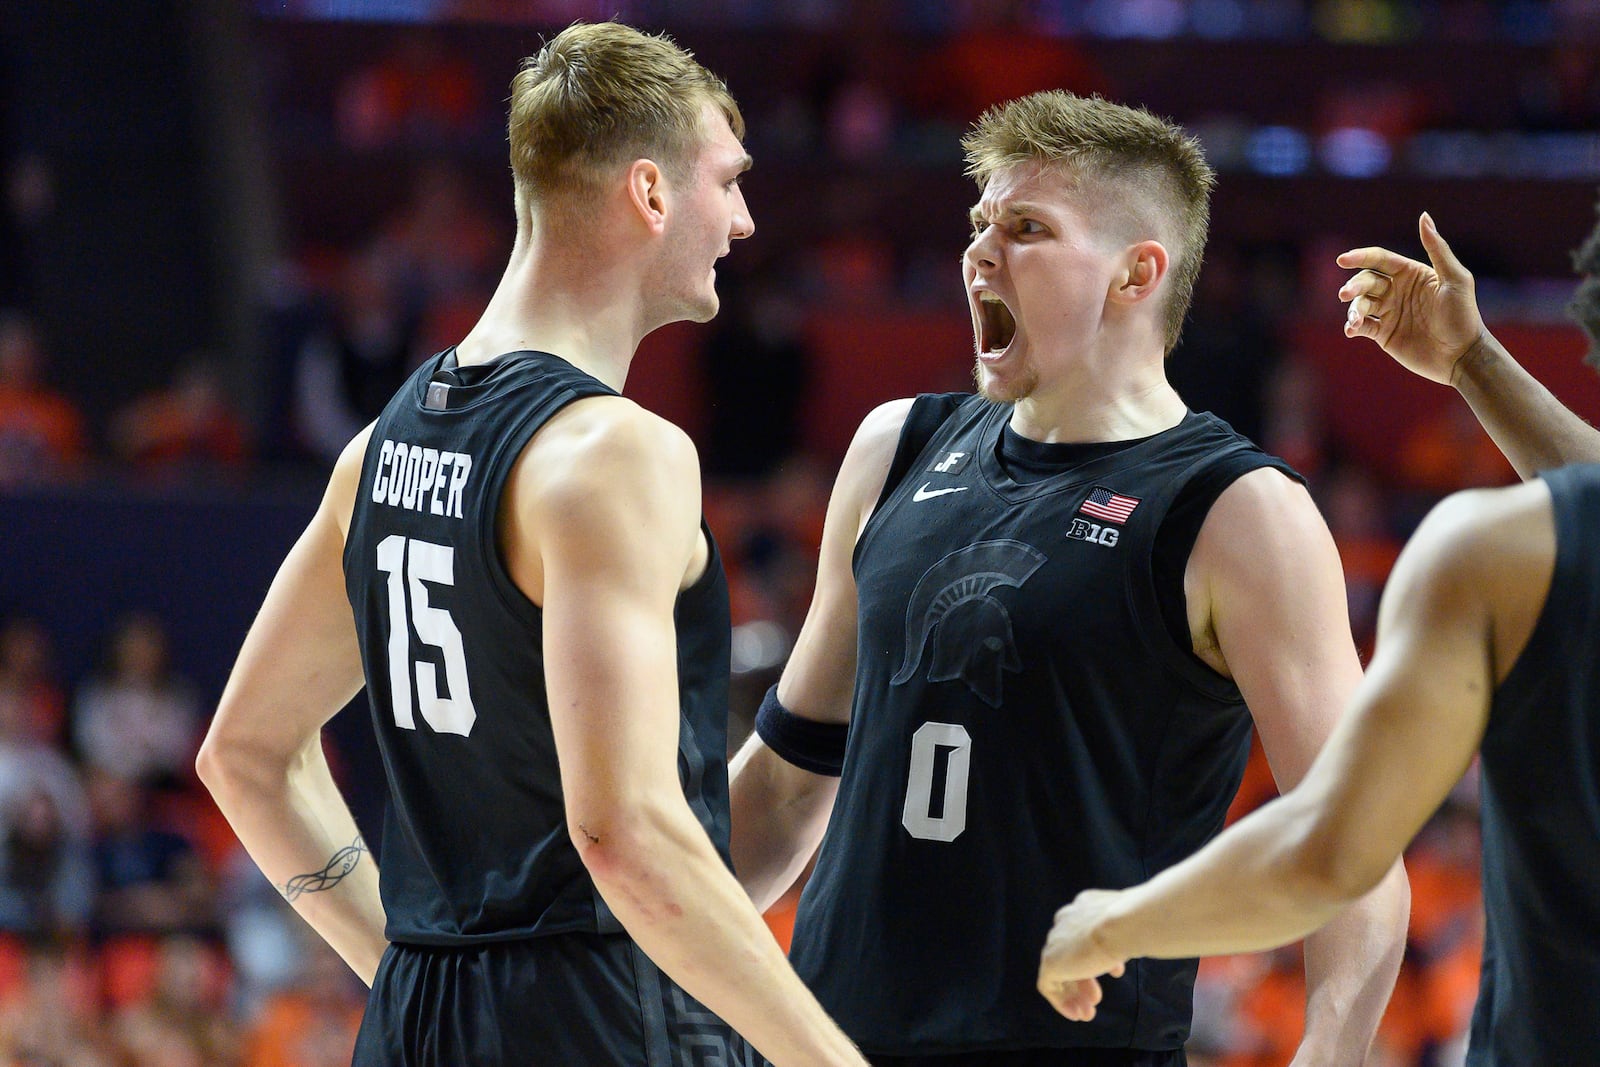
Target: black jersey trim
1228 449
486 507
1537 662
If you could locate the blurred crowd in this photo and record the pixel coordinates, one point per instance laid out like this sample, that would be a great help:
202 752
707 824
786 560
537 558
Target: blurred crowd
133 932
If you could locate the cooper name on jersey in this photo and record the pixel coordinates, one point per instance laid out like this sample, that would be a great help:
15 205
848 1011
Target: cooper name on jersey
420 479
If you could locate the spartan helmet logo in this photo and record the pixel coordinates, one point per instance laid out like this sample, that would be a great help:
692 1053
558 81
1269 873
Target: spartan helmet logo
971 630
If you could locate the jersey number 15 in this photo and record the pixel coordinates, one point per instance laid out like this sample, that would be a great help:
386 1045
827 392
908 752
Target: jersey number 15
408 563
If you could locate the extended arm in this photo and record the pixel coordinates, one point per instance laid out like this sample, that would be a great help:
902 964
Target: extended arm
1426 317
1445 631
616 523
262 757
1267 606
780 810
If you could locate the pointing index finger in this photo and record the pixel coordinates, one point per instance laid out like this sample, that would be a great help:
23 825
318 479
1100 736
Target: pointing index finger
1378 259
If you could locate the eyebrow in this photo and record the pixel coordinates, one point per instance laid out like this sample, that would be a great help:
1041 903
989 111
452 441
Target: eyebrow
1010 211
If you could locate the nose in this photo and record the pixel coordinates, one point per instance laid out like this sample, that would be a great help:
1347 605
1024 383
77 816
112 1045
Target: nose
980 253
744 224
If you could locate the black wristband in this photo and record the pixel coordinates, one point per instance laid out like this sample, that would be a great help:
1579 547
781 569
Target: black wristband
812 746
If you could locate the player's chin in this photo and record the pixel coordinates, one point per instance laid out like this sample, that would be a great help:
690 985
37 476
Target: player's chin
703 309
993 383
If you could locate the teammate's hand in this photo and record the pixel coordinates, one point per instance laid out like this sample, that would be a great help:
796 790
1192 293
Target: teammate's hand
1426 317
1073 958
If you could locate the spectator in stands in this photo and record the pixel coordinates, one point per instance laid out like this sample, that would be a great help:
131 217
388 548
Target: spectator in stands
349 367
137 719
188 428
150 878
41 431
31 699
46 883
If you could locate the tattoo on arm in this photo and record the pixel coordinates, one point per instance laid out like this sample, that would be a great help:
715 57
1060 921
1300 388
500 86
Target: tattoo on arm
339 864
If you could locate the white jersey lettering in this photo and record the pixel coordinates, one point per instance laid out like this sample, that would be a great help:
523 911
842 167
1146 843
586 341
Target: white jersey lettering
421 479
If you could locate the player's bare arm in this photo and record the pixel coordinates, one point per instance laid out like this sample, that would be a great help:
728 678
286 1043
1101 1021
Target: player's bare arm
609 498
262 757
1425 316
1265 582
779 809
1411 732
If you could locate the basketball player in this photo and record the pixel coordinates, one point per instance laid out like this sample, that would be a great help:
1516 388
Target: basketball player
1485 644
1054 600
543 622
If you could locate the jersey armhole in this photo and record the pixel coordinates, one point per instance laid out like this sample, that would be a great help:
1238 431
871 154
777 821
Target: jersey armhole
929 411
1165 605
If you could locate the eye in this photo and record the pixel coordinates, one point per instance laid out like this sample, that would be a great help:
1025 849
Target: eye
978 226
1028 226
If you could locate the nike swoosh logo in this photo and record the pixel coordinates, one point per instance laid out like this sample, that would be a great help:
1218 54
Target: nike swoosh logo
927 494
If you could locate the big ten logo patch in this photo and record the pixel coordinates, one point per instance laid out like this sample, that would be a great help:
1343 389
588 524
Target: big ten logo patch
1093 532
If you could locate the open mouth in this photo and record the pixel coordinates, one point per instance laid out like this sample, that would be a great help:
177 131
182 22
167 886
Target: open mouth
996 325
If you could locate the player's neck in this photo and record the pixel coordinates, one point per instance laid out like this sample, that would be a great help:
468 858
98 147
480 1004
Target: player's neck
1109 387
1084 411
589 313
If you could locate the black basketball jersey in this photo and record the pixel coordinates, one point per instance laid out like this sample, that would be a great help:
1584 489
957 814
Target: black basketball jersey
1539 997
475 843
1024 727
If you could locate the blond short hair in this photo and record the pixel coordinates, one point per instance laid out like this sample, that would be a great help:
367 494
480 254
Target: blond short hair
597 96
1127 152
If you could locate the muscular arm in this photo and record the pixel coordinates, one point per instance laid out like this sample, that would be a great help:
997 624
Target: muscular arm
614 513
1461 604
780 810
1426 317
262 757
1269 570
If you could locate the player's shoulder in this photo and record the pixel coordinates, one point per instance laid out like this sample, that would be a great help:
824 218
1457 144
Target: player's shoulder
345 479
1482 555
871 453
609 429
880 431
607 444
1262 502
1475 530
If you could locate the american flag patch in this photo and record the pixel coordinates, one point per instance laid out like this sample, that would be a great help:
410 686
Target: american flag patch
1112 507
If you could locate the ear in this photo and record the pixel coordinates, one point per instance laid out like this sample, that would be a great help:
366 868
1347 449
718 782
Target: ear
647 194
1143 267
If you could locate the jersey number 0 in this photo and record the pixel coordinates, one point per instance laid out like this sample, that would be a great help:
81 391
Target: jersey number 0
409 563
921 816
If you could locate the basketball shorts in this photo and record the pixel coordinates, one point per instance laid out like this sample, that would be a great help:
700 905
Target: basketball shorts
578 999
